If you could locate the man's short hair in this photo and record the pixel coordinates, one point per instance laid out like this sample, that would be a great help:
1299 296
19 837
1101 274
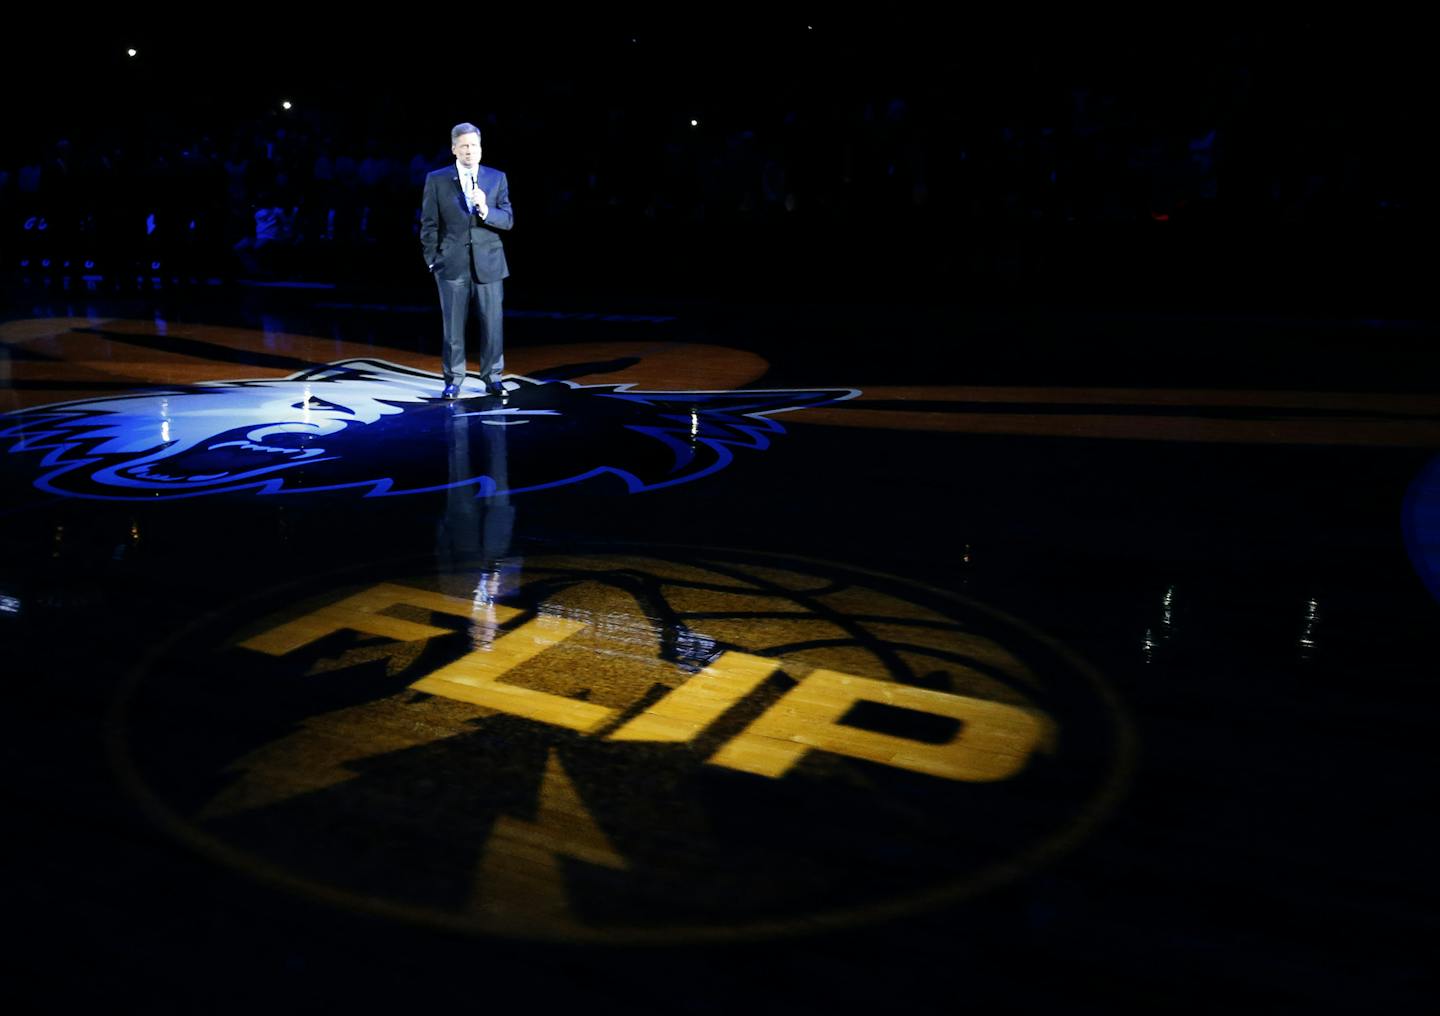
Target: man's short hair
463 128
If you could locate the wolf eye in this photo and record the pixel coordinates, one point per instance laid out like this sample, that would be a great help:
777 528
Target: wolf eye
314 402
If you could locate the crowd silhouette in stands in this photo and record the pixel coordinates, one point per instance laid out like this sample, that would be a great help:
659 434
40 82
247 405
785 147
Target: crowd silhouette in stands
314 193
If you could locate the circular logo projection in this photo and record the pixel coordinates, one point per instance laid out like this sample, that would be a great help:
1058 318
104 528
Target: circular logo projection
625 747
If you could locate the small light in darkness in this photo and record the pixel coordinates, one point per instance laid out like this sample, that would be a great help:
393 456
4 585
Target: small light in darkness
285 104
694 123
130 52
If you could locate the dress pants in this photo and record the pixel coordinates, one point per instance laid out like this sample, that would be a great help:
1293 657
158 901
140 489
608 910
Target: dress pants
460 300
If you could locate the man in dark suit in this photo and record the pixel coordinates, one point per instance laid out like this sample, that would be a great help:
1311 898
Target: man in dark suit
461 215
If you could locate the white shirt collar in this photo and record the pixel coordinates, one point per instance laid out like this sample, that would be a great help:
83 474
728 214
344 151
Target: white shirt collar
464 173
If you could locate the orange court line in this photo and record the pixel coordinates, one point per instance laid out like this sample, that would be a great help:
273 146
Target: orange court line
1319 431
1421 404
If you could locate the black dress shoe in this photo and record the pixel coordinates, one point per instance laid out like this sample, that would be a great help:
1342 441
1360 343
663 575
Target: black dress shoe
496 388
451 392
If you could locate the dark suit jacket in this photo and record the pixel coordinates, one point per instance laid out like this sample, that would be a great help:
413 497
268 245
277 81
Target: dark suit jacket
454 241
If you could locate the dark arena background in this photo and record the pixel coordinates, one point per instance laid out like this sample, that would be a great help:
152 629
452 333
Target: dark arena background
961 531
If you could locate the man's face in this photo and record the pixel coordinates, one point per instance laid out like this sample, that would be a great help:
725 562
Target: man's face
467 150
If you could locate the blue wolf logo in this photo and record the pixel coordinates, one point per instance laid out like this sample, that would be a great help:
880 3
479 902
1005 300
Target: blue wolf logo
377 427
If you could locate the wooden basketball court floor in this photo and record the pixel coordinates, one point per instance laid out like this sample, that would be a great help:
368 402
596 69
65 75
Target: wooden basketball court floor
772 658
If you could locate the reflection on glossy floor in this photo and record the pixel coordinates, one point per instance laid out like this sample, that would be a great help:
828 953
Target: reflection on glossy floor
721 662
